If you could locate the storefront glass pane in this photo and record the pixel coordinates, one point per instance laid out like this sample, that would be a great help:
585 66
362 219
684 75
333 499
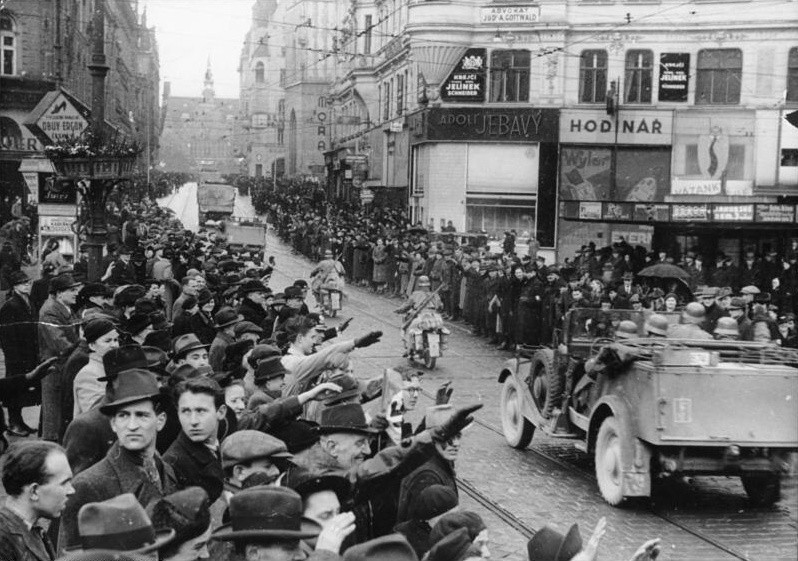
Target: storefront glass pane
642 174
497 217
585 173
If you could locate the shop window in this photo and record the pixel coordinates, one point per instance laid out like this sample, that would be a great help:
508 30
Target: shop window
792 75
639 76
260 73
8 44
719 77
593 77
509 76
496 216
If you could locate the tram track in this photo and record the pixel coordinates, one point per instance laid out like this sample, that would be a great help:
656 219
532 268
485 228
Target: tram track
494 507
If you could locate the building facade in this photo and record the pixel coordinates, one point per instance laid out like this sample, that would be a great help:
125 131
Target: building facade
201 134
661 123
46 45
261 72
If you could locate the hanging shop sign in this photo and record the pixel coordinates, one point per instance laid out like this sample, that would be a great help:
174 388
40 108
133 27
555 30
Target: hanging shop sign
733 213
674 76
56 225
58 116
775 213
57 190
690 213
467 81
588 126
509 14
494 124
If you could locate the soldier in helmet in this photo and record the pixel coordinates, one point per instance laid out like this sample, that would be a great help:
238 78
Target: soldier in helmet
426 305
689 324
727 329
656 326
627 329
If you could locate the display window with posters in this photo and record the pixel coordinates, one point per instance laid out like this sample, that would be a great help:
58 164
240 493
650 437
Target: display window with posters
624 173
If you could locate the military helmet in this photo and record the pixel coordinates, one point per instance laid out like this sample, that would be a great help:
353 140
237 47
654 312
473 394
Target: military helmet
657 324
693 313
727 326
627 329
423 280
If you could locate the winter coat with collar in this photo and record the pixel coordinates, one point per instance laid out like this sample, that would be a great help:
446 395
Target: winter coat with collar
195 464
17 542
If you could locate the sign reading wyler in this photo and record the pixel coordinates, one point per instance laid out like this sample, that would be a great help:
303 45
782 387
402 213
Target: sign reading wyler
494 124
466 83
592 126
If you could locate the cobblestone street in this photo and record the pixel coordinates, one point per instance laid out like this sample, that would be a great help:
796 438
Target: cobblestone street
553 483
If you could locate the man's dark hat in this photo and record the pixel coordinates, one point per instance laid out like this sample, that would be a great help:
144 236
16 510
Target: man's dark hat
453 521
128 295
125 250
204 296
453 547
95 289
187 512
393 547
131 387
122 358
159 321
62 282
120 524
268 369
185 344
292 292
96 328
298 435
266 513
347 417
226 317
259 352
550 545
145 306
138 323
247 327
18 277
252 285
306 483
349 389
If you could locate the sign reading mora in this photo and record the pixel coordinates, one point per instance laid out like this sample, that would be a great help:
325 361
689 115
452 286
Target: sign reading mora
467 80
58 116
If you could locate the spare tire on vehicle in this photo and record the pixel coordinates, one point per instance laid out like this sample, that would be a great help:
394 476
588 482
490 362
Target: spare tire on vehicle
546 382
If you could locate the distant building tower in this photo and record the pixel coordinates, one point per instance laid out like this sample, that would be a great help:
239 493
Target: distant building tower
207 91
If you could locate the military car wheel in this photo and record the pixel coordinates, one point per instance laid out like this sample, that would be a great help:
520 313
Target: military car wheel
545 383
517 429
763 489
609 461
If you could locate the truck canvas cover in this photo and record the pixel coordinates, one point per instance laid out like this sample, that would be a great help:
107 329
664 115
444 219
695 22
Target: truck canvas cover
216 197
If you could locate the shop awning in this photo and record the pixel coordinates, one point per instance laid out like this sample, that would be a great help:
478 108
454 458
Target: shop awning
40 165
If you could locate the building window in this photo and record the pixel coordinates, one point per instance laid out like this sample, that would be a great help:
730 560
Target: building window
719 76
386 109
8 44
282 77
367 35
400 94
260 73
280 136
639 76
792 75
593 77
509 76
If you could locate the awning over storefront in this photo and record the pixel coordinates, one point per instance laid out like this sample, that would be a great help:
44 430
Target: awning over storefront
39 165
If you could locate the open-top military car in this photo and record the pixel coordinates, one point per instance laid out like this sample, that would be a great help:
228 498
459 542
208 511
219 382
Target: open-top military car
651 406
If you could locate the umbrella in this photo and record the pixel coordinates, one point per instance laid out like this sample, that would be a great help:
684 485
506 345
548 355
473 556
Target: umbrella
664 271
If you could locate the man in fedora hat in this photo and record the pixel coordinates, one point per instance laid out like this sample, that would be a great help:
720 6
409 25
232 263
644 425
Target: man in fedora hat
121 271
225 319
89 436
266 524
58 333
18 339
132 465
188 513
188 349
194 455
119 524
38 482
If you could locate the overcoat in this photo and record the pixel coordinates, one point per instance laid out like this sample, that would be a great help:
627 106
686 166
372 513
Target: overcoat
195 465
17 542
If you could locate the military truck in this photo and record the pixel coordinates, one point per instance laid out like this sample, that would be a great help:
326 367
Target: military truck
645 407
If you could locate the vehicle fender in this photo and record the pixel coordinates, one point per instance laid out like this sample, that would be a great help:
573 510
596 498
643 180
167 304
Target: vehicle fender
636 453
509 368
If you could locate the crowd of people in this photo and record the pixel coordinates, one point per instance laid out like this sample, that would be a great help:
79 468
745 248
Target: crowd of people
513 299
191 410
